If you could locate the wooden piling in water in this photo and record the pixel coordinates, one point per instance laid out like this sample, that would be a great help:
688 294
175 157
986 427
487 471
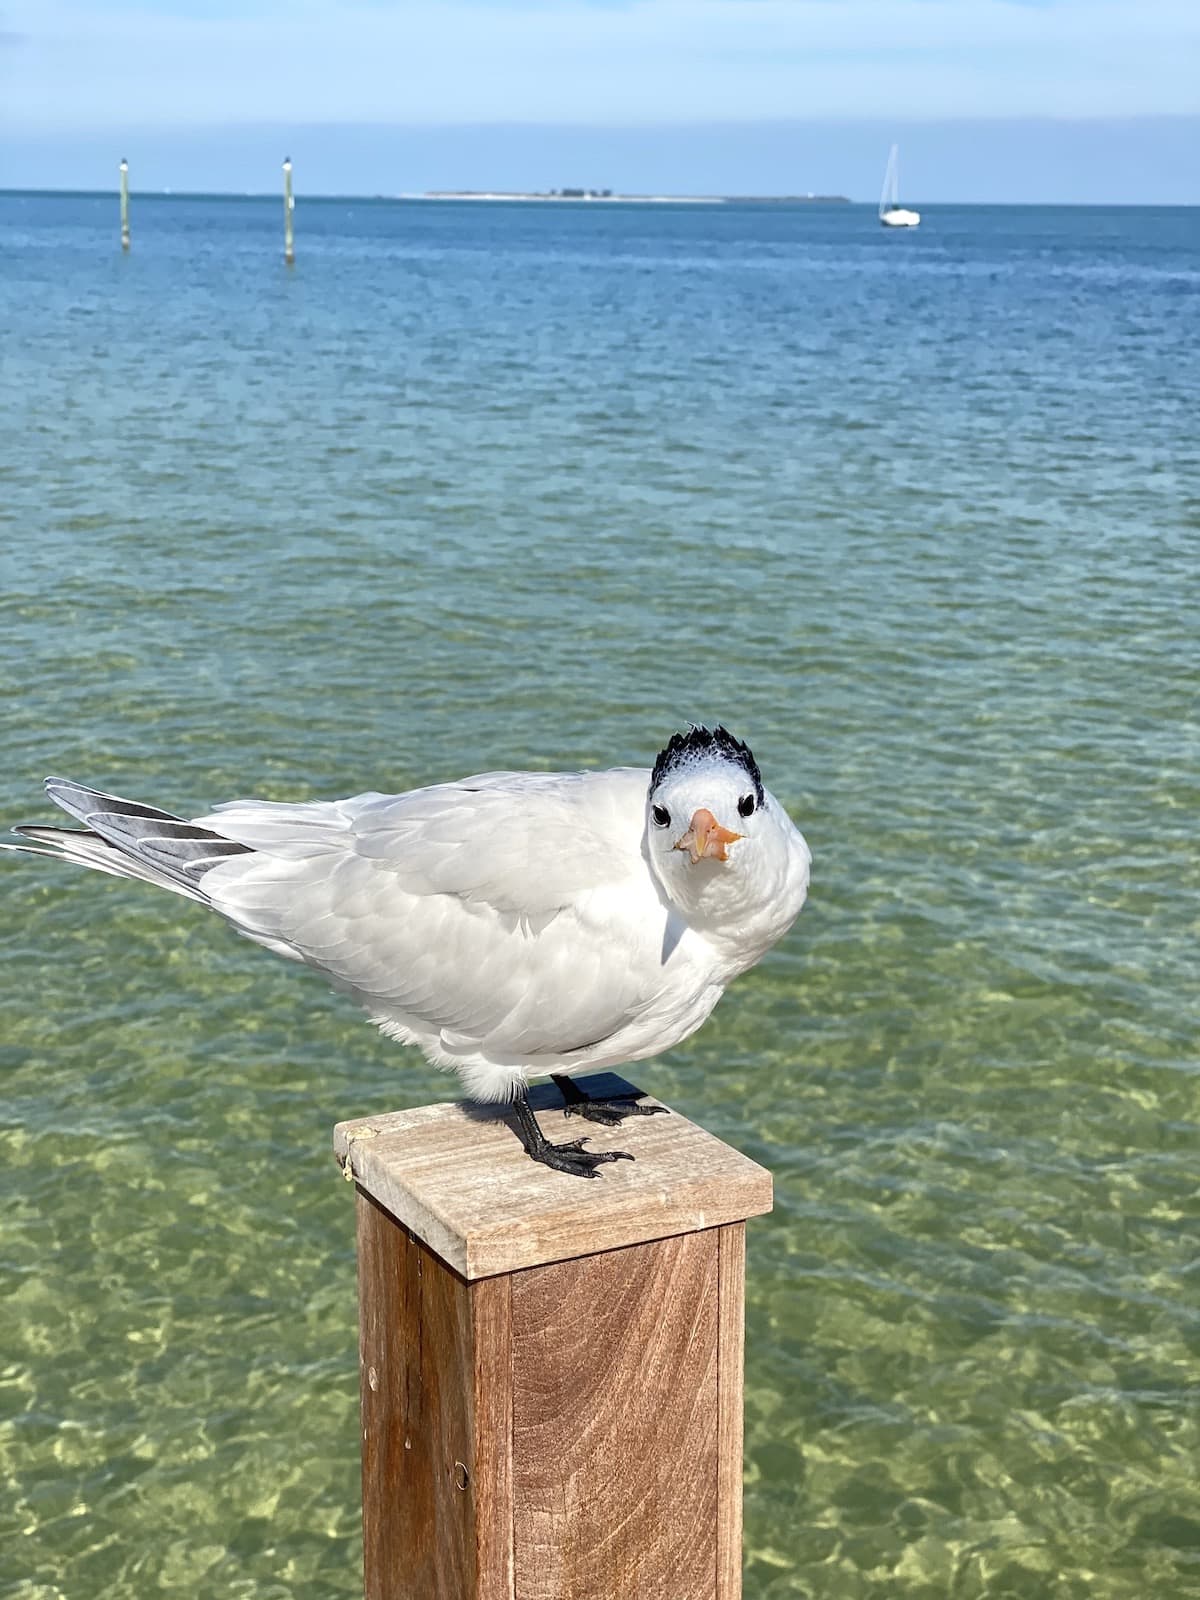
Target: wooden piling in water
289 206
124 169
551 1368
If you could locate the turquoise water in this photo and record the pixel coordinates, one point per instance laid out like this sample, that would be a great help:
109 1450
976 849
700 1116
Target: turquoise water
490 486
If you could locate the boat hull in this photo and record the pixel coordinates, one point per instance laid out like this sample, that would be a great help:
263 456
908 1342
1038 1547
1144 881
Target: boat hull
900 217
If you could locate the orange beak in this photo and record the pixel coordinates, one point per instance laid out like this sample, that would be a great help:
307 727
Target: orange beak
706 837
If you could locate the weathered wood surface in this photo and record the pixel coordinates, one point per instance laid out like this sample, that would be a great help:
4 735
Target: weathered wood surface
436 1389
615 1421
731 1343
416 1368
458 1178
565 1432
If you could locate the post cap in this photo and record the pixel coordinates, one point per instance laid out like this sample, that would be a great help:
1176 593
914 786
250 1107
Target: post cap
457 1177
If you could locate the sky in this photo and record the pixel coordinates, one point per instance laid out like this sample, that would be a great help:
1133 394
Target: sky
990 99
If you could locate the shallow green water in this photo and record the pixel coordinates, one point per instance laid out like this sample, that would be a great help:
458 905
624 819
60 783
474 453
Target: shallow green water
483 487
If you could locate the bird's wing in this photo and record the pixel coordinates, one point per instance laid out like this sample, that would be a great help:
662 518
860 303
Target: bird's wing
528 843
507 908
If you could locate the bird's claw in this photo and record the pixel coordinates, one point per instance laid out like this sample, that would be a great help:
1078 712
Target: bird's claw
572 1158
610 1112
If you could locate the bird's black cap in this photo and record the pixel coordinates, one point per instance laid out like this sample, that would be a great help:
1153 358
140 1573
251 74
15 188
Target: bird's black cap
699 744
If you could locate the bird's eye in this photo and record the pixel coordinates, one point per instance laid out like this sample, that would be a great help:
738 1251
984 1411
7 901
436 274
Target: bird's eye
662 817
746 806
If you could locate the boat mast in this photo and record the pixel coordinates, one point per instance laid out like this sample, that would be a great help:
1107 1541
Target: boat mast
891 181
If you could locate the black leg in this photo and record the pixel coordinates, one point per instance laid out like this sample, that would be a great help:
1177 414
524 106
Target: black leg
572 1158
610 1112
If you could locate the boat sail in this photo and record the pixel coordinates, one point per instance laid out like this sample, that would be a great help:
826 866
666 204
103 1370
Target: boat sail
891 213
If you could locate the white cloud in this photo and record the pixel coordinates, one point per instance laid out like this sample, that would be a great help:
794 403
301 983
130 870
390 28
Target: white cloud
74 64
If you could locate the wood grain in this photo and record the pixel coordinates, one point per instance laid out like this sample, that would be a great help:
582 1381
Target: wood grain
731 1339
436 1385
615 1424
460 1181
492 1477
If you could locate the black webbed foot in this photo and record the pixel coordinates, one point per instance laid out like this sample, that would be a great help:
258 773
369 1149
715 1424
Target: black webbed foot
609 1112
571 1158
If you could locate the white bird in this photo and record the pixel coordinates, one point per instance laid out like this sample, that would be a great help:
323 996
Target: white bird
510 925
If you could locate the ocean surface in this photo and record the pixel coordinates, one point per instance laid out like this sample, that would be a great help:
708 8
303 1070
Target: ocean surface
482 486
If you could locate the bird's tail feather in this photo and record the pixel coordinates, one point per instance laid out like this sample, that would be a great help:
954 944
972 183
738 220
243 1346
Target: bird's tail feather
89 850
129 840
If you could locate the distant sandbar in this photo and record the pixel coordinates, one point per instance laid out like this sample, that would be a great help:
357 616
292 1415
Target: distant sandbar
636 199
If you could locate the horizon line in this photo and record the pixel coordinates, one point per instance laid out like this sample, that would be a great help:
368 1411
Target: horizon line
531 197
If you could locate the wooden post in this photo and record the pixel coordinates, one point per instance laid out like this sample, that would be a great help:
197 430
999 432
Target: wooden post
551 1368
124 204
289 206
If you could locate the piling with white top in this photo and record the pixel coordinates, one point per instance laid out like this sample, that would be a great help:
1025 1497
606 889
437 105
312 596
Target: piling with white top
124 204
289 206
551 1368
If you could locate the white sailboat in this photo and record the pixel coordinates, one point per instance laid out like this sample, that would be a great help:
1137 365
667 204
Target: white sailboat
891 213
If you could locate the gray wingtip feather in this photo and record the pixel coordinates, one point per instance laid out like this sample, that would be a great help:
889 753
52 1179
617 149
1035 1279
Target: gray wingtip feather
70 796
53 785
